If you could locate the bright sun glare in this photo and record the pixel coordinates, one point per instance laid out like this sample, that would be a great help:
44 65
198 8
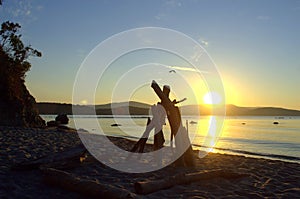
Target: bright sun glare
212 98
84 102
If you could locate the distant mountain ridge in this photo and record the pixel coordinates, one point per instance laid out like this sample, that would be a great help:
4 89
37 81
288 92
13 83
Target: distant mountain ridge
138 108
233 110
121 108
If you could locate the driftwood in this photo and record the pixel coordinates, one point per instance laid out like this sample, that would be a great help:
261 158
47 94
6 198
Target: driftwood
68 158
88 188
147 187
140 145
182 140
158 141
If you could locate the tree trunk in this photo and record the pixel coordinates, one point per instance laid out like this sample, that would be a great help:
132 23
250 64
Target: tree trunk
182 141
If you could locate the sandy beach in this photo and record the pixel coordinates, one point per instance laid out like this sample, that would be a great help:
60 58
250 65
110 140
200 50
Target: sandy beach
260 178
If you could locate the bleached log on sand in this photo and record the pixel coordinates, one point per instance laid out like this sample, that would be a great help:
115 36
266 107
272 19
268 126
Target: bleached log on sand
147 187
87 188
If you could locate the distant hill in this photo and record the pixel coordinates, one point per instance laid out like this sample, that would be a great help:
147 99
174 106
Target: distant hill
48 108
123 104
232 110
138 108
122 108
271 111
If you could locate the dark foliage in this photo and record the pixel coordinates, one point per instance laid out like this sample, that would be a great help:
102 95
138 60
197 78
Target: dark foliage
14 51
17 106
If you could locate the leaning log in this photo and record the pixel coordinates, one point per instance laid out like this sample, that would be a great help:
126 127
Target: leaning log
87 188
157 144
147 187
140 145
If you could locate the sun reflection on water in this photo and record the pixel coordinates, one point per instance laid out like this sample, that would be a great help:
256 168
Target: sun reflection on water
209 131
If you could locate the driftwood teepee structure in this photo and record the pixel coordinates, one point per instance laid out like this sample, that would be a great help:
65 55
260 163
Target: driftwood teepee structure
182 141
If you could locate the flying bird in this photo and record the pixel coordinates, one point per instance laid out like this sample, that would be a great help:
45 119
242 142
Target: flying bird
172 71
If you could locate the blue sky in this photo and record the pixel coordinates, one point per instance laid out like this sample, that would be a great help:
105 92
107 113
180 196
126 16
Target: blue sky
255 44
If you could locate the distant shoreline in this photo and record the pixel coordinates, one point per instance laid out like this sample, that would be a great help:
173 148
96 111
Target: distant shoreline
137 108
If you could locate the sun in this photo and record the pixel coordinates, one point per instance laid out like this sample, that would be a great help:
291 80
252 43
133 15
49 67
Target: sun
212 98
84 102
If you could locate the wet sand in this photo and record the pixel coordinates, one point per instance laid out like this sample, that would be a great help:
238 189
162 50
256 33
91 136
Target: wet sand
263 178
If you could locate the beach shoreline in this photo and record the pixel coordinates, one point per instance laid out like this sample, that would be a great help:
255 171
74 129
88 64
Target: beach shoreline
264 178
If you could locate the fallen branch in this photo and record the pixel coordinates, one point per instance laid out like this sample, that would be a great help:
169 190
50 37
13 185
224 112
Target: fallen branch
88 188
68 157
147 187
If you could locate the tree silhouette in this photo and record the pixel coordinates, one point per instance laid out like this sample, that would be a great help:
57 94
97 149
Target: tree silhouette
17 105
13 51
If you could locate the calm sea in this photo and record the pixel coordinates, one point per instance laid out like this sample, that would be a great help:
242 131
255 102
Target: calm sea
251 136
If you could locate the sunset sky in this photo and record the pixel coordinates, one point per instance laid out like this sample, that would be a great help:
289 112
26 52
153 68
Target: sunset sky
254 44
